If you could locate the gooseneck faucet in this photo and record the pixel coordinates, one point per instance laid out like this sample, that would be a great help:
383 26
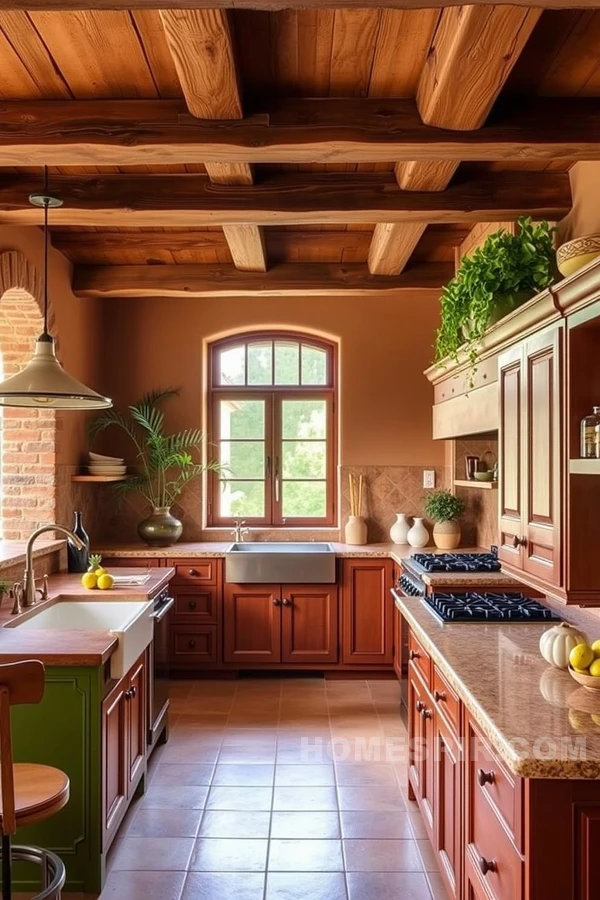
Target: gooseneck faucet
29 588
239 532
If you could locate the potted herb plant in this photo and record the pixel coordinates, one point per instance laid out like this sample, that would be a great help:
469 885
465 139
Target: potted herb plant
445 509
507 270
165 463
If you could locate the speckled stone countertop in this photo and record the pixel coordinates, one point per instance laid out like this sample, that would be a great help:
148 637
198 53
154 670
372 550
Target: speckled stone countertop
541 722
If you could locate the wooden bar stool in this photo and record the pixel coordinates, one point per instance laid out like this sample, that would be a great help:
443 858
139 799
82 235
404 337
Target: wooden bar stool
29 793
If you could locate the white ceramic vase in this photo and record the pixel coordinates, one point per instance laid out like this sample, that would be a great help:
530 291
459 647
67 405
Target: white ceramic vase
399 530
418 536
356 530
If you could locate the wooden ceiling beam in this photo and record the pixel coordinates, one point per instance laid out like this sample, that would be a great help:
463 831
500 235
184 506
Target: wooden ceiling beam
286 279
201 44
162 132
472 54
192 200
274 5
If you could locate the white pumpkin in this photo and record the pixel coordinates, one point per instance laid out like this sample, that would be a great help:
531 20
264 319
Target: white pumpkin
557 643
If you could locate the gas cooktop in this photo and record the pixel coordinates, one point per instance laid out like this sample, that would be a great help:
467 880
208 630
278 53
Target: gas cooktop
487 607
456 562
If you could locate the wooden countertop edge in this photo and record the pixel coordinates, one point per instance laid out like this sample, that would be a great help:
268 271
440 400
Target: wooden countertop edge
523 767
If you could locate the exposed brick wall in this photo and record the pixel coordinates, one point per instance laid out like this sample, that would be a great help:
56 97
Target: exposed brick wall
29 436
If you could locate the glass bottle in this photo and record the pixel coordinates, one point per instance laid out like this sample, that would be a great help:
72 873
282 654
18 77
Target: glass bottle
78 559
589 445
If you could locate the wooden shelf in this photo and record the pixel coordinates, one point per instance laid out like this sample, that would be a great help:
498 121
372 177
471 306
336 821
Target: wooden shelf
98 479
584 466
482 485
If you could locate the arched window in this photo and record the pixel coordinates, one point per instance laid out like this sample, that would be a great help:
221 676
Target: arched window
272 423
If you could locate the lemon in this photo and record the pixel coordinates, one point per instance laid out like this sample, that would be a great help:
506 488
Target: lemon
105 582
99 571
595 668
596 648
580 671
581 656
89 580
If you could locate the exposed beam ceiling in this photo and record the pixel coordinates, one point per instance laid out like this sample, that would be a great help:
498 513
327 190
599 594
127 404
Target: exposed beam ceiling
201 44
225 281
265 5
162 132
472 53
192 200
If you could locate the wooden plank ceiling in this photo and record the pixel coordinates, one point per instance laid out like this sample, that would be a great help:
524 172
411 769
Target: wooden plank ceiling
466 73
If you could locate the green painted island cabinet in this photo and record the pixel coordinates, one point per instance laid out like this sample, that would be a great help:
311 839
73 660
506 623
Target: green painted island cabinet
95 730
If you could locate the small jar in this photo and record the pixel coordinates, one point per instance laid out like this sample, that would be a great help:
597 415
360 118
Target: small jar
590 435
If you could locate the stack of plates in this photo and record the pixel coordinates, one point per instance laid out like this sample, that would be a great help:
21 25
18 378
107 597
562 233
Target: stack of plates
106 465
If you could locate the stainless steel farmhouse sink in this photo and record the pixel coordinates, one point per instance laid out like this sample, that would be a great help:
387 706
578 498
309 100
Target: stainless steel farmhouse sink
276 563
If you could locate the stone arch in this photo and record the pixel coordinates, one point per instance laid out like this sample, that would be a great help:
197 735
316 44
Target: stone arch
28 436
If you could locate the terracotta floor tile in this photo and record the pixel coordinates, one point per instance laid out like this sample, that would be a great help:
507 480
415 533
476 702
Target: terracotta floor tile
240 798
146 854
305 856
323 825
387 886
356 774
229 855
224 886
164 823
259 739
306 886
304 798
256 775
172 796
142 886
382 826
428 858
382 856
436 886
188 755
372 798
183 774
222 823
297 776
416 823
240 754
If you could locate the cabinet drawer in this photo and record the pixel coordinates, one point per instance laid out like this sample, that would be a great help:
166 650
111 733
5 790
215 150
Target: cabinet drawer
195 571
491 857
446 700
419 658
197 606
193 646
493 785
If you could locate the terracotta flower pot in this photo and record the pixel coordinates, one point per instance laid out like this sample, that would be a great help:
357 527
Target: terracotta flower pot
446 535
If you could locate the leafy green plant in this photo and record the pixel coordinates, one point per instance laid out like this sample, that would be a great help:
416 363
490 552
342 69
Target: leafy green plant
442 506
490 283
166 461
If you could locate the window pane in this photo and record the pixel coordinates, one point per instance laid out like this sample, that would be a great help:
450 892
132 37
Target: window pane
242 498
260 363
304 418
232 365
242 419
314 365
304 459
243 459
287 362
304 499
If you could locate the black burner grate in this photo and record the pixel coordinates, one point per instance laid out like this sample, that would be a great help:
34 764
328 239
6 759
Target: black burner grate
488 607
457 562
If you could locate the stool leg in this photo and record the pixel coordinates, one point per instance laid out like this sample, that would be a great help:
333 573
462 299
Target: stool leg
6 868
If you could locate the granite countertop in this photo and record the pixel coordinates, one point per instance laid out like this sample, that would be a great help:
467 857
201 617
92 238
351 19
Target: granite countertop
70 648
541 722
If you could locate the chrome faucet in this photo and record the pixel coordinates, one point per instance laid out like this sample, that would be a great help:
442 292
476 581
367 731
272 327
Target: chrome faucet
239 532
29 588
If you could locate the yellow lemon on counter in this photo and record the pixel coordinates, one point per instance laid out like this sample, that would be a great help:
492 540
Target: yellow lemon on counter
596 648
581 656
99 571
105 582
89 580
595 668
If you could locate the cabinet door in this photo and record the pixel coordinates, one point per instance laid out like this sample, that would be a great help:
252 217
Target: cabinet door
309 617
252 623
543 449
421 762
448 805
367 631
114 760
136 722
510 444
397 642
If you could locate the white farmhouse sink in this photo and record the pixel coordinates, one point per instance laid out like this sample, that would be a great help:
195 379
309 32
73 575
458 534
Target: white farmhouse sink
129 621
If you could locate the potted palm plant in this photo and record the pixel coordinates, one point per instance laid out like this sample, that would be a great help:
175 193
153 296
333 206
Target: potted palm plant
445 509
165 463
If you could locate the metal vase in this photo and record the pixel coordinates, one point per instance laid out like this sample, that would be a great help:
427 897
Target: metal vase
161 529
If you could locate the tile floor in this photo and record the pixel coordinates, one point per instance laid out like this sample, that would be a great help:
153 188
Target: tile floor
277 790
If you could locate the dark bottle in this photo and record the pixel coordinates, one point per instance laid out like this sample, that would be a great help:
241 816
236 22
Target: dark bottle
78 559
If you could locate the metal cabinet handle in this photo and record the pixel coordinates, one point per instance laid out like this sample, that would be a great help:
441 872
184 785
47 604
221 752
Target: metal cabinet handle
276 602
484 777
420 706
133 690
426 713
414 654
519 541
286 602
193 572
192 604
487 865
191 644
127 694
439 695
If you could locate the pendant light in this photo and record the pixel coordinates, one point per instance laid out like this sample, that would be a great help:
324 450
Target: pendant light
43 383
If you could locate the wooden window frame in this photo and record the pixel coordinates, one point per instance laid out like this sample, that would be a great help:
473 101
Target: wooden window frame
274 395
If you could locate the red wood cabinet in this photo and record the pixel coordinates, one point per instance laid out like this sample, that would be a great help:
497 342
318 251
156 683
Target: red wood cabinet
196 620
367 611
252 623
309 622
421 764
137 728
447 809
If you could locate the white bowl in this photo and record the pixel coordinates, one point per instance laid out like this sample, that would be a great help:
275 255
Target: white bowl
117 470
104 460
